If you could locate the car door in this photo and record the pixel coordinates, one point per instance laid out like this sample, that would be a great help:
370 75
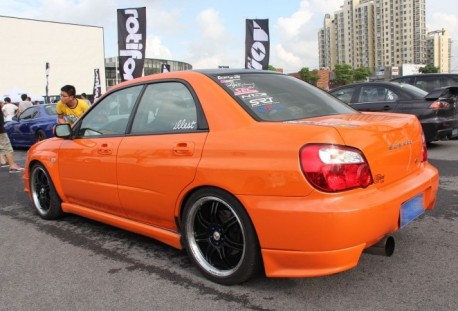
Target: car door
87 163
21 132
375 97
159 157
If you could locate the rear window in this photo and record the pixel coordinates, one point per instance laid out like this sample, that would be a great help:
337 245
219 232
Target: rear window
413 90
277 97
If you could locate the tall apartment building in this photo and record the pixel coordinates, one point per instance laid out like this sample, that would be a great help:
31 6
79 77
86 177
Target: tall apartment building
374 34
439 49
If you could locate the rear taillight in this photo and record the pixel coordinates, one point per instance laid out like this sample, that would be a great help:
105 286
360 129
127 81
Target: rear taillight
439 105
334 168
424 151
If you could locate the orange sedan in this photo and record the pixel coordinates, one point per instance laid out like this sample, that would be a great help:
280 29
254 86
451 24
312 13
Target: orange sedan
249 171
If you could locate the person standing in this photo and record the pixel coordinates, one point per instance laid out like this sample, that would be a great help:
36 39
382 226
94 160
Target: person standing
69 108
9 110
84 97
6 150
24 104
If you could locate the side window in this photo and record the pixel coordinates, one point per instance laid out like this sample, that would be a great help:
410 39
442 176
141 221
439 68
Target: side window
428 83
29 113
366 94
344 94
448 81
110 115
376 94
390 96
165 107
402 80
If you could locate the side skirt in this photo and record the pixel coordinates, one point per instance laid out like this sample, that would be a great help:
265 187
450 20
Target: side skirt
166 236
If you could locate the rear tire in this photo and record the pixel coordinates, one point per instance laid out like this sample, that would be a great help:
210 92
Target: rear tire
44 195
220 238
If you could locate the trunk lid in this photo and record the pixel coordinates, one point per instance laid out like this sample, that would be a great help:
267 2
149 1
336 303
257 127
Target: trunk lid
392 143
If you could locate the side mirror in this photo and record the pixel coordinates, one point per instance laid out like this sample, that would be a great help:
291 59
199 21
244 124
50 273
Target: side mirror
62 130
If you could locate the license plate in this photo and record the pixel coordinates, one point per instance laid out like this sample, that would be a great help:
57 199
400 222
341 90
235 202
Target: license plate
411 209
454 132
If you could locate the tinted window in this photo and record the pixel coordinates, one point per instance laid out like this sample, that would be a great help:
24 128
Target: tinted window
110 115
428 83
450 81
413 90
275 97
165 107
50 110
403 80
376 93
29 113
345 94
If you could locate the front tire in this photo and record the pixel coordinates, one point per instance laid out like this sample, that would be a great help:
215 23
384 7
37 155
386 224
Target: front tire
40 135
220 238
44 195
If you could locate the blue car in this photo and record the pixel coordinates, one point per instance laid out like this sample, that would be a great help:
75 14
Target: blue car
32 125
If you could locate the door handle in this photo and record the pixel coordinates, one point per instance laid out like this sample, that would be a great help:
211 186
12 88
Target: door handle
105 149
184 149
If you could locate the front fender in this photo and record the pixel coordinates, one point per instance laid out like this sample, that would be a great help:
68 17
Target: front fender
48 156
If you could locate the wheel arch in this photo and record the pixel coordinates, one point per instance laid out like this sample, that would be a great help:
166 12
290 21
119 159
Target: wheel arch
185 198
52 170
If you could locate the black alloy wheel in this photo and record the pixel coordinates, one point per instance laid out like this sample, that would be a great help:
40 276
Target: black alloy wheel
44 195
220 238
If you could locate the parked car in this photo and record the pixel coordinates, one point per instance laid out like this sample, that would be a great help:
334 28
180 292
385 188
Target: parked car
248 170
32 125
437 111
429 81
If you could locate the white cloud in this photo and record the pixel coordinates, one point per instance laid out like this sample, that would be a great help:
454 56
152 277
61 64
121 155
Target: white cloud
155 48
166 22
328 6
292 26
296 47
286 57
210 24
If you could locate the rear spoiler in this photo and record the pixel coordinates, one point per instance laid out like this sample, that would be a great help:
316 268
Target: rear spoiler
443 92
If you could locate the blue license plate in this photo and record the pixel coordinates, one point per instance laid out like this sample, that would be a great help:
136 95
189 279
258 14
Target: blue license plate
411 210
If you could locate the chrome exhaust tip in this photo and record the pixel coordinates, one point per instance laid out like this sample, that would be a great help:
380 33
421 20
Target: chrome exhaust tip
384 247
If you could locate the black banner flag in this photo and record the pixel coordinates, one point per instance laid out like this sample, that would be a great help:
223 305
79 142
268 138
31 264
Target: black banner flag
97 86
165 68
257 44
131 42
47 84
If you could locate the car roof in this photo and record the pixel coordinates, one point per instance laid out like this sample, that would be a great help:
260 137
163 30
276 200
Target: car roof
187 73
428 74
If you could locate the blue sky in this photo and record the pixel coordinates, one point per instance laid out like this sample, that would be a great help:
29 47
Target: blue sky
207 33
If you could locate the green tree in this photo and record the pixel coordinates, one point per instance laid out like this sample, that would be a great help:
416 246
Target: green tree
308 76
343 74
361 74
428 69
271 68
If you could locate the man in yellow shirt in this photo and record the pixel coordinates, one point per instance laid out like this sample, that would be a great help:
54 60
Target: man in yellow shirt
69 108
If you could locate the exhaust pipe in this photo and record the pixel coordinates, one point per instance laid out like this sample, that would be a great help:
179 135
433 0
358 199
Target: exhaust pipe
384 247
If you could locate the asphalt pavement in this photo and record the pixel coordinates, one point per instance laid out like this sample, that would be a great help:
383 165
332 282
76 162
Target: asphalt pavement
78 264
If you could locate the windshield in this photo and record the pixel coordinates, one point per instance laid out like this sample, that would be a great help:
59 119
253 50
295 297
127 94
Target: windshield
50 109
278 97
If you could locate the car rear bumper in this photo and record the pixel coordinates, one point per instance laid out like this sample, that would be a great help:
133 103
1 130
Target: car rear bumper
439 129
326 233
